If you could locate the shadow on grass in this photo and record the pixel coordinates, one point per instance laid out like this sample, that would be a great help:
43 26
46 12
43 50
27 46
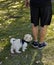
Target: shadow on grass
4 52
30 57
13 16
37 58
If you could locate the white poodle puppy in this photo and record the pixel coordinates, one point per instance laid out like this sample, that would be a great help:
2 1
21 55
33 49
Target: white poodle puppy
16 44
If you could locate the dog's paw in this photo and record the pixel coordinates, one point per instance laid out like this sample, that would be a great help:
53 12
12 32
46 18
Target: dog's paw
12 52
23 50
18 52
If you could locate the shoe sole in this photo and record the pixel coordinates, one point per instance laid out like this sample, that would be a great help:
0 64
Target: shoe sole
42 47
35 46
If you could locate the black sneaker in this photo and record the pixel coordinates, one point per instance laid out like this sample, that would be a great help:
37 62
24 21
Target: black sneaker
40 46
35 44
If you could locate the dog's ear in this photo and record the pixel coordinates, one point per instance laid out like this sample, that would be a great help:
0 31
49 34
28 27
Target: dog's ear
25 37
31 38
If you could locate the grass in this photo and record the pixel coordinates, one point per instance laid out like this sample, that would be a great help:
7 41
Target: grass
16 27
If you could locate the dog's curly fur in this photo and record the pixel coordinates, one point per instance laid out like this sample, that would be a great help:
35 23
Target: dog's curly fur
16 44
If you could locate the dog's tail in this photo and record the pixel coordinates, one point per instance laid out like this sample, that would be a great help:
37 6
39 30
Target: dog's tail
12 40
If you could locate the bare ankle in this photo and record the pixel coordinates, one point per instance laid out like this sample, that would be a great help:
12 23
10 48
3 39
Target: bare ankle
35 40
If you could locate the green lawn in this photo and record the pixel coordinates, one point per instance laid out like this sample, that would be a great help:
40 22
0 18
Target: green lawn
16 26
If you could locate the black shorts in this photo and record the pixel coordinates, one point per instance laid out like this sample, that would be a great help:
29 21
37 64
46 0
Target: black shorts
41 15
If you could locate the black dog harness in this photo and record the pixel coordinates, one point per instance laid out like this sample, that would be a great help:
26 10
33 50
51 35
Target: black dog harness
22 41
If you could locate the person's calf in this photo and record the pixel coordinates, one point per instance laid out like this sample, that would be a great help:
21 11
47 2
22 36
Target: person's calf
43 31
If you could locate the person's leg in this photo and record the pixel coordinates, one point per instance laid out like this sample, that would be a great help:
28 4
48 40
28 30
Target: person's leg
46 15
35 32
43 31
35 36
35 23
45 20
